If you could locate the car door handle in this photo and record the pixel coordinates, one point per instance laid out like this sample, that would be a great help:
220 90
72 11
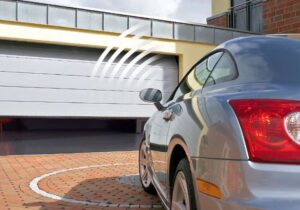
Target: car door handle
168 116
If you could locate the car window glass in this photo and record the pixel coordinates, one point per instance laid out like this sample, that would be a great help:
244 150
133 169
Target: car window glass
182 89
212 60
197 77
203 70
223 71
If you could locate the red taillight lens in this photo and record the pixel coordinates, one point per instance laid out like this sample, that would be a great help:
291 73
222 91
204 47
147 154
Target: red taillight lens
271 129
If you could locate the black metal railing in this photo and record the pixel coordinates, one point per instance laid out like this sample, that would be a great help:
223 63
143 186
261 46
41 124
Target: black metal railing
247 16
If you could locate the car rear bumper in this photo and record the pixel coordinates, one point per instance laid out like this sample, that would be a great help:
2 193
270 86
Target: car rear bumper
246 185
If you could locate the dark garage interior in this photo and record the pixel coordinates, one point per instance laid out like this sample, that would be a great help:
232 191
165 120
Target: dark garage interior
53 135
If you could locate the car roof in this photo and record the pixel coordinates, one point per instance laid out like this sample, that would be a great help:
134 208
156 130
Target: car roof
259 40
289 36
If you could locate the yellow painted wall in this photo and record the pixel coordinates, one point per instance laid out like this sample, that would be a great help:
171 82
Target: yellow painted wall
219 6
188 52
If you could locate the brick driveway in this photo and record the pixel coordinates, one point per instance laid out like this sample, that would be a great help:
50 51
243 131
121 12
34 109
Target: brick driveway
102 180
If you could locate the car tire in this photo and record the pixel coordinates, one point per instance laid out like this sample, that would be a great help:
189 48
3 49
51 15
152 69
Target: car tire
183 196
143 171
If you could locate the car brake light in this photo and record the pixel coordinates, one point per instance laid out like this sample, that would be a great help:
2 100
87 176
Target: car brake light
271 129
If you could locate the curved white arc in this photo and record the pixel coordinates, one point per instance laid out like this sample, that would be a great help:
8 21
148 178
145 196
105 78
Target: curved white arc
127 55
100 60
137 58
113 44
143 77
117 52
139 70
143 81
34 185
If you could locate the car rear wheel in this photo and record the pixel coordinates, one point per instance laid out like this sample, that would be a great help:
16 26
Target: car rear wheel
144 173
183 196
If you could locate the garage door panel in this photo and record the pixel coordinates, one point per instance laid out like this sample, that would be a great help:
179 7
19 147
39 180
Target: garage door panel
54 81
38 109
69 96
48 66
80 83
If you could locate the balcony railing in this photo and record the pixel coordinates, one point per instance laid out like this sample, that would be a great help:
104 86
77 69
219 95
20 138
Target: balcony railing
83 18
247 15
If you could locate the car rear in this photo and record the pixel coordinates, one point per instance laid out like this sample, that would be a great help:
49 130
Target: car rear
254 125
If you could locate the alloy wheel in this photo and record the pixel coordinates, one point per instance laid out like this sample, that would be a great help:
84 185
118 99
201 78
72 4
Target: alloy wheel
144 174
180 196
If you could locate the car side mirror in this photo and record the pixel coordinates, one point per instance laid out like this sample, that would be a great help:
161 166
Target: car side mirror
152 95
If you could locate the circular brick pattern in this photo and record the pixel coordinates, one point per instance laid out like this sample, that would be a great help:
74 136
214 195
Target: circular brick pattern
109 185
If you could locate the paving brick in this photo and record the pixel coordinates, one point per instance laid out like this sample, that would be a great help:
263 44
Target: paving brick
94 184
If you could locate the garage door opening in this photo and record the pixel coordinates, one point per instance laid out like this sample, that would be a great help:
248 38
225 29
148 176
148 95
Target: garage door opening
70 109
65 124
65 135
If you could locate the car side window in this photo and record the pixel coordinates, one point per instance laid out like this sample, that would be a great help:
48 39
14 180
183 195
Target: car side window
223 71
197 76
203 70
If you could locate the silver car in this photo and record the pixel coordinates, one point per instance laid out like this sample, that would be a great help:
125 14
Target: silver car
229 135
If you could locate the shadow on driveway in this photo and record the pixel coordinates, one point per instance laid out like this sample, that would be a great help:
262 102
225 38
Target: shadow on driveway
106 192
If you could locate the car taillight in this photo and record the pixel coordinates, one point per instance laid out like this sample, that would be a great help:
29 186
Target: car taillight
271 129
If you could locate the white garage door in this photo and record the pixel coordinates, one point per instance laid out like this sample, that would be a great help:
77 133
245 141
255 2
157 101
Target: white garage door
54 81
